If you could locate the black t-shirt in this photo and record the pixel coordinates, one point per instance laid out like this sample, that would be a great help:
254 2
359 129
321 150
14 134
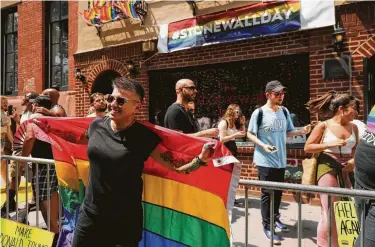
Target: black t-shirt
177 118
365 161
116 164
42 150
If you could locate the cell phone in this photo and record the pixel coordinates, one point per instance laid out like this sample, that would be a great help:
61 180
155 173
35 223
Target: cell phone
273 149
10 110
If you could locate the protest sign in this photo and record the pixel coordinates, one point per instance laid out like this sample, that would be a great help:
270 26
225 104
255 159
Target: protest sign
19 235
346 223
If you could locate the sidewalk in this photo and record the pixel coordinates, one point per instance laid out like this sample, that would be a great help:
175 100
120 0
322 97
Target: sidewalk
288 210
289 216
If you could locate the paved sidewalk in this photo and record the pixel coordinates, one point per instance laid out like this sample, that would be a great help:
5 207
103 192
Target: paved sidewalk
288 210
289 216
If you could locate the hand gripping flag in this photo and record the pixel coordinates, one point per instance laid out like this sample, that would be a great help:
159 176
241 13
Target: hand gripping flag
199 203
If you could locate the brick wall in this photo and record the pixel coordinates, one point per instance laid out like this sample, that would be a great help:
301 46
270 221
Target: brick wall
317 42
73 41
31 55
114 58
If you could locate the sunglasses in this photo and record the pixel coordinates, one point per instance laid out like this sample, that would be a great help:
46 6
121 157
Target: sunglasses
238 112
277 94
119 100
191 88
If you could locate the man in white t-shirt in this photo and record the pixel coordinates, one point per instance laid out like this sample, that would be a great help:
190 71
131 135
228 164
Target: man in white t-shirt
98 102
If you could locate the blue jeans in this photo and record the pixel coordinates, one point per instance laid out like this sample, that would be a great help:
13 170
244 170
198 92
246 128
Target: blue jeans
369 233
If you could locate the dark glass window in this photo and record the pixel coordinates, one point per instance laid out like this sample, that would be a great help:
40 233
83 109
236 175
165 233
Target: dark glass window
57 19
10 52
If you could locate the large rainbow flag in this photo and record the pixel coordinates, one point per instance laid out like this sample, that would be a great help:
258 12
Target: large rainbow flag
179 210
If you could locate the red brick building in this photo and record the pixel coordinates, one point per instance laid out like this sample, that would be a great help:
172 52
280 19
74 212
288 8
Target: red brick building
301 55
41 40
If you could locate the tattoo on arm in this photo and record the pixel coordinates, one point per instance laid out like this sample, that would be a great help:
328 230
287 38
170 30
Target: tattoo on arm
181 165
176 162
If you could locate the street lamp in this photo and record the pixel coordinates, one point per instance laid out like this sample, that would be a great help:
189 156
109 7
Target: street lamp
79 75
338 37
132 71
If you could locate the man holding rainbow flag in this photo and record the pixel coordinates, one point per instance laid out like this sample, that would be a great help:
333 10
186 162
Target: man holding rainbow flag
118 146
129 183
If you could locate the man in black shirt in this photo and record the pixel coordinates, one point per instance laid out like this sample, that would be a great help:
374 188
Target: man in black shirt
364 159
118 146
177 116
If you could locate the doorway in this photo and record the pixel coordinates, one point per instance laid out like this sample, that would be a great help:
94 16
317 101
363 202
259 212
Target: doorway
103 82
236 82
368 84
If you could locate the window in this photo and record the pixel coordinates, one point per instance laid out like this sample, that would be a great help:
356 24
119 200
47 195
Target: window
10 52
57 55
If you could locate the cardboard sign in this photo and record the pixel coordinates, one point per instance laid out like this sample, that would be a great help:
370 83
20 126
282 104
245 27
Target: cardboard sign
19 235
346 223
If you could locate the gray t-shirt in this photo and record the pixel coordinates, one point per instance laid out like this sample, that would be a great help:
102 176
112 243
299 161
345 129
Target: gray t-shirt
272 131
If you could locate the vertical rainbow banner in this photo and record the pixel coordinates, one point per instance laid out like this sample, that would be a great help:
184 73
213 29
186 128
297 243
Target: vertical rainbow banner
179 209
371 120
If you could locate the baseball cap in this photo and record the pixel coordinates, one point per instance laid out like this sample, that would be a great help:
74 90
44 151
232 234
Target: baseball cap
274 86
42 100
32 95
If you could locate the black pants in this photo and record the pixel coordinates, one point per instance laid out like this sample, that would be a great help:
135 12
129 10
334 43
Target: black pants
274 175
104 231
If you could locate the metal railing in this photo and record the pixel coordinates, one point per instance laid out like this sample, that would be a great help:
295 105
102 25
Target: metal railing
272 186
36 162
331 191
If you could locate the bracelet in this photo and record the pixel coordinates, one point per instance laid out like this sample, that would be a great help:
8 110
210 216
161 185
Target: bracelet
200 162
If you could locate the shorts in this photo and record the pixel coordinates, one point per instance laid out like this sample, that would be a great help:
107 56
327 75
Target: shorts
21 170
46 188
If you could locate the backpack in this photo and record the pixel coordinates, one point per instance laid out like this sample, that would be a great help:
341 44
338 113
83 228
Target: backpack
260 115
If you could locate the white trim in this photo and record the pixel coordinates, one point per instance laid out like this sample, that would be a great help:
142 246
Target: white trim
222 161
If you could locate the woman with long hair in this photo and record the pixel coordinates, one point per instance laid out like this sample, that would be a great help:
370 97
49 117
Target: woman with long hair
335 139
231 127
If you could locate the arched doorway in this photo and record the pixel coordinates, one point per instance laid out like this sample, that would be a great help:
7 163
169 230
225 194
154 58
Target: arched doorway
103 82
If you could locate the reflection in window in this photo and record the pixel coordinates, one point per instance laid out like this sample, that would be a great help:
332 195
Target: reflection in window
10 56
58 45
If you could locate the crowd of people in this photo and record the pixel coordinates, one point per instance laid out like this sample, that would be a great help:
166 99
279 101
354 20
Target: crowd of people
345 147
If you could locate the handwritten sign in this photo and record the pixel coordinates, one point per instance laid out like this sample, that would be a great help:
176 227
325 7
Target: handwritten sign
347 223
19 235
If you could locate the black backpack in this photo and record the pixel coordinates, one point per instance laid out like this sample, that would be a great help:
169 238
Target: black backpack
260 115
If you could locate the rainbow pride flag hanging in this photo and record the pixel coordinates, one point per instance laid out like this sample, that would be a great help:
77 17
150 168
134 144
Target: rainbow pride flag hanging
179 210
100 12
371 120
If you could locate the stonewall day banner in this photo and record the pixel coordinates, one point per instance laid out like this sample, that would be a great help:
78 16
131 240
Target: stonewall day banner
179 210
247 22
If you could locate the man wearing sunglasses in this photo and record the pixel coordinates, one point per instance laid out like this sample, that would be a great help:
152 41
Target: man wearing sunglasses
111 213
178 117
268 128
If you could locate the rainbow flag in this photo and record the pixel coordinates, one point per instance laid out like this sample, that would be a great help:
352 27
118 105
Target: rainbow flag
128 8
179 210
371 120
